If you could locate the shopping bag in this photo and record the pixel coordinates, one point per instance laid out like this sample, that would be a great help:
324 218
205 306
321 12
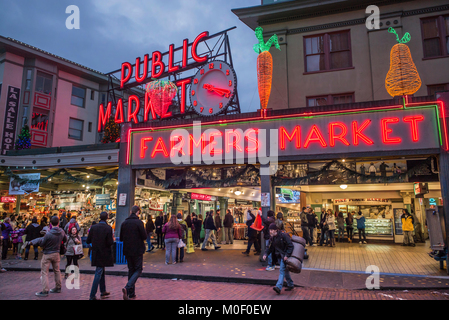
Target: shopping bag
78 249
181 244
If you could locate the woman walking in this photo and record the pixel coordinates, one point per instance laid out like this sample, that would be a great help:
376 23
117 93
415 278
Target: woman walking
73 239
198 224
149 228
330 221
159 223
341 226
173 232
350 226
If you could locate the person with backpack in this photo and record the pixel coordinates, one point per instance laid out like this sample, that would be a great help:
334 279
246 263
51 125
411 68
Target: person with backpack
32 232
281 247
71 225
180 251
252 234
280 221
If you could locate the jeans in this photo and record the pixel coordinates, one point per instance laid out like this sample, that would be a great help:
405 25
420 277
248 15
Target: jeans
209 235
306 235
250 243
27 251
362 232
229 235
270 256
170 249
341 233
324 236
181 254
5 248
311 229
350 231
150 245
99 280
135 268
50 259
284 273
160 240
330 236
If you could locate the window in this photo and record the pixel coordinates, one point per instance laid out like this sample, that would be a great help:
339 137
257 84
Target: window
28 80
78 95
326 52
330 100
435 33
44 83
76 129
92 95
436 88
89 127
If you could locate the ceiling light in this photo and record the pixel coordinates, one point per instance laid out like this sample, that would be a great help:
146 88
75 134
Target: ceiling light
84 185
88 177
343 160
87 187
238 192
344 187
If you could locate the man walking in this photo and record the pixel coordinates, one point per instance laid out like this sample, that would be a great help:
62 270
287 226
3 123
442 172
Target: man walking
101 237
305 225
228 225
209 226
133 236
281 247
51 245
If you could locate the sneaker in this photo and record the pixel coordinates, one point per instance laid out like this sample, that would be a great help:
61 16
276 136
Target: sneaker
270 269
364 242
93 299
216 248
3 270
55 290
105 294
360 242
290 288
278 291
204 249
125 294
42 294
245 253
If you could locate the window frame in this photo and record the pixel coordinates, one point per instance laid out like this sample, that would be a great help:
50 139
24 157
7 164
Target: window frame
45 76
70 128
443 36
329 97
446 87
327 52
84 98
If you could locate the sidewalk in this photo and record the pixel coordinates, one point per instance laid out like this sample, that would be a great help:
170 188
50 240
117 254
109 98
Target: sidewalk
233 267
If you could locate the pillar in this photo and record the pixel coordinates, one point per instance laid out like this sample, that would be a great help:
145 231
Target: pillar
126 180
176 202
18 201
223 207
265 187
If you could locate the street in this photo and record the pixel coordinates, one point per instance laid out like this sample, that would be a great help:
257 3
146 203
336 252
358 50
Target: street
23 286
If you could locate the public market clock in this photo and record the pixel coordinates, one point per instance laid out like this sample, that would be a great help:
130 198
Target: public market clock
213 88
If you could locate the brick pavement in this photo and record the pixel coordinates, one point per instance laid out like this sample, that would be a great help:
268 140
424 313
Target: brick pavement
23 285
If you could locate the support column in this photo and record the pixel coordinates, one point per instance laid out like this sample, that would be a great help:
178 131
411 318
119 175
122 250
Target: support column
223 207
18 201
126 180
265 187
176 202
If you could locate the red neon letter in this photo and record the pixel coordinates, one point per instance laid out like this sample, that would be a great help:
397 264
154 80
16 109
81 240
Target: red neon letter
185 48
319 137
253 140
148 108
104 117
133 115
386 131
171 58
284 134
126 65
201 141
357 133
414 123
176 144
143 146
234 144
119 118
341 136
212 143
157 62
183 84
145 69
194 48
159 147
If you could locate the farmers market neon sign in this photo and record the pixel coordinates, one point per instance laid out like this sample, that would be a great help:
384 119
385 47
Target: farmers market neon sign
158 69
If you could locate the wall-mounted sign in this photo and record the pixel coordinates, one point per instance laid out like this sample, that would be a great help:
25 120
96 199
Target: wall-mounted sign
265 200
21 188
10 124
102 199
8 199
122 200
203 197
421 189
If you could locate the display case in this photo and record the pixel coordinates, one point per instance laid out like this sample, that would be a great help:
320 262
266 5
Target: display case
377 227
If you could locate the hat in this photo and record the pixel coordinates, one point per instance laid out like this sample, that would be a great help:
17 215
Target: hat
273 226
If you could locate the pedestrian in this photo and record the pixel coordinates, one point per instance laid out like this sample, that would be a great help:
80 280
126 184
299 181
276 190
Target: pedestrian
72 223
101 239
350 225
133 235
197 222
63 220
280 221
252 234
312 224
6 231
408 227
149 228
341 226
218 226
209 227
228 226
361 227
330 221
266 235
305 225
173 232
51 245
180 250
324 227
159 223
73 239
281 247
1 248
17 240
32 232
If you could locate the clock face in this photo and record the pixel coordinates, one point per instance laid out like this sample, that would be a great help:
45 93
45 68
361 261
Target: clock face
213 88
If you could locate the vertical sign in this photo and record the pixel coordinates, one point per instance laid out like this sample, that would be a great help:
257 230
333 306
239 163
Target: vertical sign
10 124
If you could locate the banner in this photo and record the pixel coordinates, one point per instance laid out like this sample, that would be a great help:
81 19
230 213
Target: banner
22 188
10 124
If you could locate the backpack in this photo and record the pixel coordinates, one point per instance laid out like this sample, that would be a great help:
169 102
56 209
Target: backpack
72 225
184 231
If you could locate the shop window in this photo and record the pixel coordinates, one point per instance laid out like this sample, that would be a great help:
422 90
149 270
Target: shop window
327 52
437 88
78 96
44 83
76 129
435 34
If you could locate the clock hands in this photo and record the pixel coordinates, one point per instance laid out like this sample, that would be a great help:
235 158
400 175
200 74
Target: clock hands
222 92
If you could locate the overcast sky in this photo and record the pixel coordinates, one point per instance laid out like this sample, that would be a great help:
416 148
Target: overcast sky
115 31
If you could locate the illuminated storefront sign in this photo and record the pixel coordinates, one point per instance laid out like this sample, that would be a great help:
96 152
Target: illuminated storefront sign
387 129
8 199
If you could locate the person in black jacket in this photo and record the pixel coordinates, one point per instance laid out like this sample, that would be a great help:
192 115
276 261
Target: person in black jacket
209 227
252 235
159 223
228 224
197 222
266 235
101 237
149 228
281 247
133 235
33 231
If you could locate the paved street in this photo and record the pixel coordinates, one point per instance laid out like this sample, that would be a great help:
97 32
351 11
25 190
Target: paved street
23 285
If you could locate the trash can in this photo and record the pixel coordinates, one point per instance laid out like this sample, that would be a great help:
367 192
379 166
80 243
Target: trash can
119 256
